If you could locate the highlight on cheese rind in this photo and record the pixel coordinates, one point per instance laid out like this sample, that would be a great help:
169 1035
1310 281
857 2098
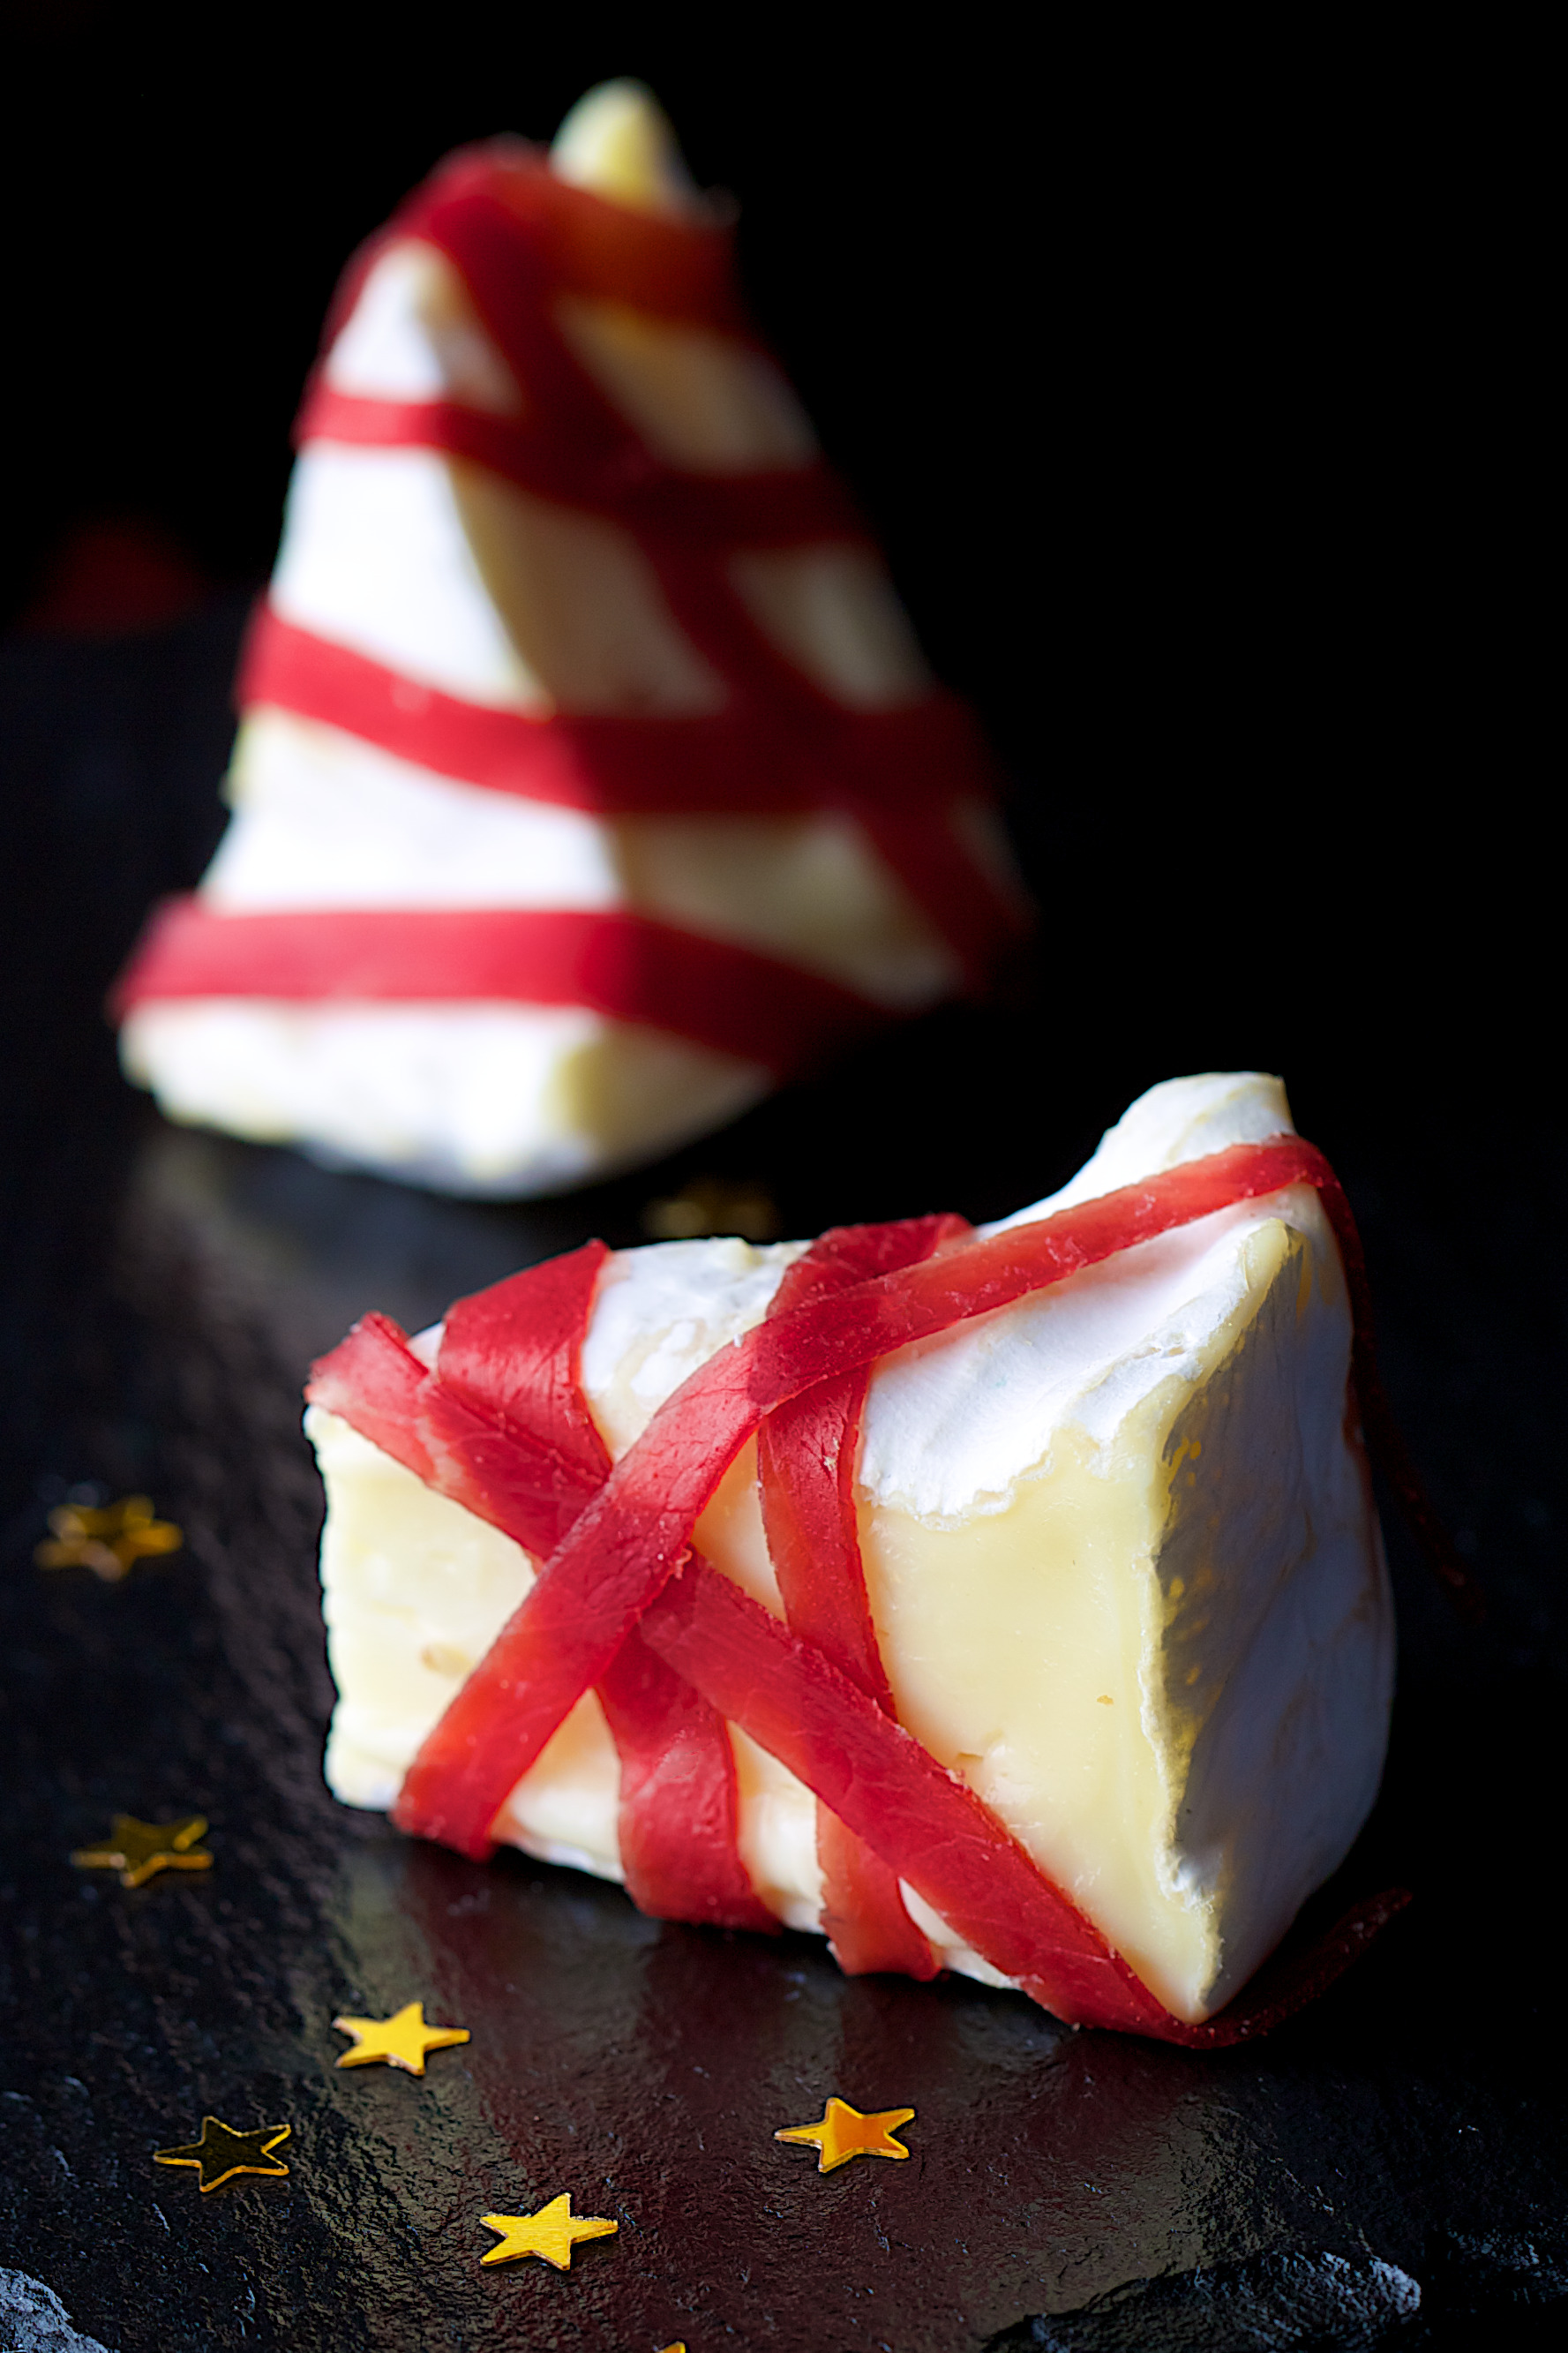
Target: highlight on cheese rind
1119 1548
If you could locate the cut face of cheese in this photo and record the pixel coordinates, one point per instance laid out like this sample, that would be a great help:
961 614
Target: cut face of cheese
1119 1544
704 401
833 611
568 617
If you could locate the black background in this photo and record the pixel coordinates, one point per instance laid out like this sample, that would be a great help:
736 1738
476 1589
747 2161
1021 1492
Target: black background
1190 390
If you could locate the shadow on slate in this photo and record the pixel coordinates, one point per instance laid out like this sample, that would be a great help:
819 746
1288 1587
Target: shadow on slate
1388 2169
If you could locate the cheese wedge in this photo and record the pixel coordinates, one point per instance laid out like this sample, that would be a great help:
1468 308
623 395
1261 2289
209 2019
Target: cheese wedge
413 563
1122 1555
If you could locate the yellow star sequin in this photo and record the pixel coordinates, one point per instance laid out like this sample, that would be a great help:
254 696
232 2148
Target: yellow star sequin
221 2152
107 1539
552 2233
137 1851
401 2039
844 2132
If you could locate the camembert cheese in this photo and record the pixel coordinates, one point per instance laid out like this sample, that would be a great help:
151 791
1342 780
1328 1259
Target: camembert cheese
489 694
1119 1545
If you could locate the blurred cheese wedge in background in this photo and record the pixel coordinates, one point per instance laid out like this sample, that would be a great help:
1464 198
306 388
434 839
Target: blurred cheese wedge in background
1124 1566
590 780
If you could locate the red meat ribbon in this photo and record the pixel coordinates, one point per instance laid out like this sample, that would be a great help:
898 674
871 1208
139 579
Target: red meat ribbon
626 966
912 777
500 1426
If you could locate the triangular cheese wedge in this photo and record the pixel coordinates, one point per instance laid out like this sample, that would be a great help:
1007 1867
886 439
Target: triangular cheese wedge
1124 1566
590 779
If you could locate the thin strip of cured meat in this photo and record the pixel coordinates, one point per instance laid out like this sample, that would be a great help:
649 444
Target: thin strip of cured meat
907 775
624 966
807 1455
772 509
678 1822
932 1831
637 1532
676 266
925 1824
514 1350
509 1354
882 765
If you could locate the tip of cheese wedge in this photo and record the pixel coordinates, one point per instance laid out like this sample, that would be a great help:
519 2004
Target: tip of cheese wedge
617 142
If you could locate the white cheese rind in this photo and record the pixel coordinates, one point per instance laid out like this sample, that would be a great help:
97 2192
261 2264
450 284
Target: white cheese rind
415 335
660 1312
479 1098
1119 1550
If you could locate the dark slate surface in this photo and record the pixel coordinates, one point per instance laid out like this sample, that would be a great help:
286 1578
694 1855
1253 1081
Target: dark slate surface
1387 2171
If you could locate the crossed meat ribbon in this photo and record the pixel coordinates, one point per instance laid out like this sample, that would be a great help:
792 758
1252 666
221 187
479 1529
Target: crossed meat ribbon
624 1606
910 777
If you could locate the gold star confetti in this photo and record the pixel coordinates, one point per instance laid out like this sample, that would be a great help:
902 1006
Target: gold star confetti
401 2039
552 2233
222 2152
137 1851
107 1539
844 2133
